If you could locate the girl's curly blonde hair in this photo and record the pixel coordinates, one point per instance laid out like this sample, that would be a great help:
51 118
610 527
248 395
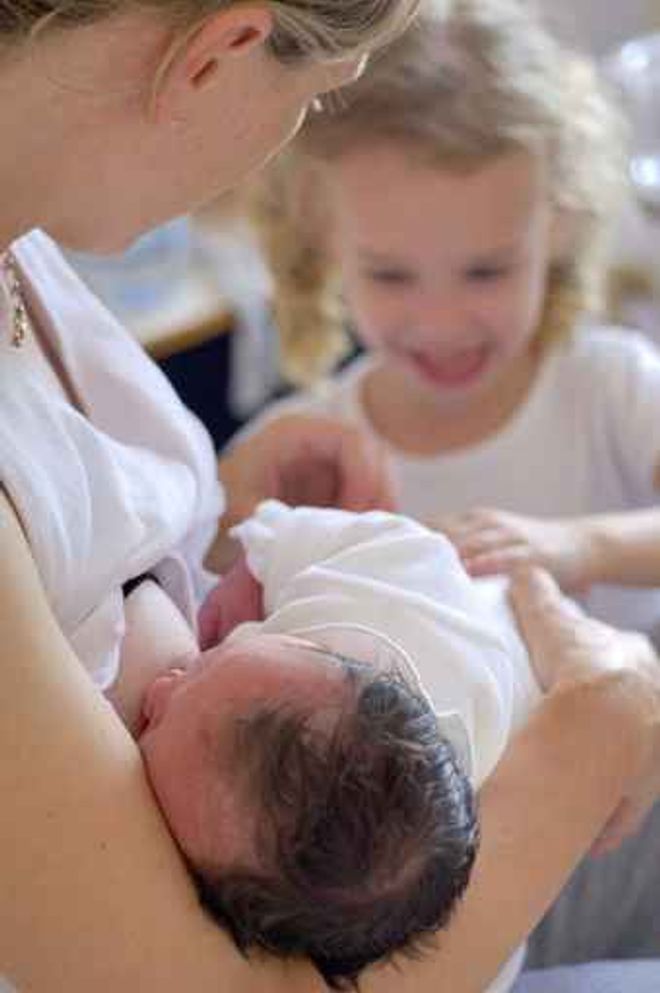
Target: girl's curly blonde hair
455 92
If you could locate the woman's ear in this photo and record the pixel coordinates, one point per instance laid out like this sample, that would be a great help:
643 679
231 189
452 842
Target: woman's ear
195 59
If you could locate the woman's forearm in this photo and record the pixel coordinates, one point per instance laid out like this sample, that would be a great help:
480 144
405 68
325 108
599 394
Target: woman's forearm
536 825
94 895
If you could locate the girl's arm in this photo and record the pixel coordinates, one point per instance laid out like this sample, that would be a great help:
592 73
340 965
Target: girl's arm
621 548
95 897
301 459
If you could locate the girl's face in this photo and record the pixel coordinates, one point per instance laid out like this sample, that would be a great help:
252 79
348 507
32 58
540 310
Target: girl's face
444 273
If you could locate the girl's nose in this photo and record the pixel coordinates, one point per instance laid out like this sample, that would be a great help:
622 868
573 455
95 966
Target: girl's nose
442 316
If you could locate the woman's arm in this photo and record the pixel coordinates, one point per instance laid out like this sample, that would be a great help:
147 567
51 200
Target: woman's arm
539 813
95 897
594 738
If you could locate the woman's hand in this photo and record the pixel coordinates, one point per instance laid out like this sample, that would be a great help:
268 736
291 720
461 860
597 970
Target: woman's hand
569 648
300 459
495 541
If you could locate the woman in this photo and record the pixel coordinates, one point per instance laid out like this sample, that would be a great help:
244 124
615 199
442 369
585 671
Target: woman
116 117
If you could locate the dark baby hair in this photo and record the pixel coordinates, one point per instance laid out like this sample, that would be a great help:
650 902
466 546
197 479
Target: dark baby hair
365 832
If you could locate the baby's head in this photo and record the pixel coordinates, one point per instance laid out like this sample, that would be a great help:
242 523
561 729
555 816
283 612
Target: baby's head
319 808
350 211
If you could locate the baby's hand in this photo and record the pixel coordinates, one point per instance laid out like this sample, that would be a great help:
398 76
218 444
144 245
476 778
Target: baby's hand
235 599
495 541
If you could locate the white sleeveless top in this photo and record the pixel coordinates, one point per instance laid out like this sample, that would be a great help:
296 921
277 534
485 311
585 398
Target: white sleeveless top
123 482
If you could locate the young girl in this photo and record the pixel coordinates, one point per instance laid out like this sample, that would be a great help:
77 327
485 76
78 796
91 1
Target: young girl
457 198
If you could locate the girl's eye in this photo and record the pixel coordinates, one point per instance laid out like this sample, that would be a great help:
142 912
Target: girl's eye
487 273
391 277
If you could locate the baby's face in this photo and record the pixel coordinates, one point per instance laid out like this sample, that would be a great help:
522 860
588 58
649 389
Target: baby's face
190 716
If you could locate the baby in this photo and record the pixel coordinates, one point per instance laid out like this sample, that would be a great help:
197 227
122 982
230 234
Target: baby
318 764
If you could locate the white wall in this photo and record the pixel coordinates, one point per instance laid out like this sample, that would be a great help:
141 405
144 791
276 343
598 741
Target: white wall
601 25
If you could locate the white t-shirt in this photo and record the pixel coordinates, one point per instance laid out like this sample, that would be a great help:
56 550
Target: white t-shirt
120 483
585 441
384 590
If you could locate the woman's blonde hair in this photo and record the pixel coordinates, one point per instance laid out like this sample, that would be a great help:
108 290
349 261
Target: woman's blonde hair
456 92
320 30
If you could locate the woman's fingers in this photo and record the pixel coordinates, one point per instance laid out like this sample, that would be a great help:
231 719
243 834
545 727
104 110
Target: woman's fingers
536 599
497 562
560 639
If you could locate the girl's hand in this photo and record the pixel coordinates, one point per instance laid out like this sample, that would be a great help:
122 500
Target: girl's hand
569 648
303 459
495 541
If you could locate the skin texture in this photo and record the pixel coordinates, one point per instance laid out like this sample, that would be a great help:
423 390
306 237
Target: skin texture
446 286
151 119
235 599
191 716
300 460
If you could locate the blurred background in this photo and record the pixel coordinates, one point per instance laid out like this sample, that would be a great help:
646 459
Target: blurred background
196 294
